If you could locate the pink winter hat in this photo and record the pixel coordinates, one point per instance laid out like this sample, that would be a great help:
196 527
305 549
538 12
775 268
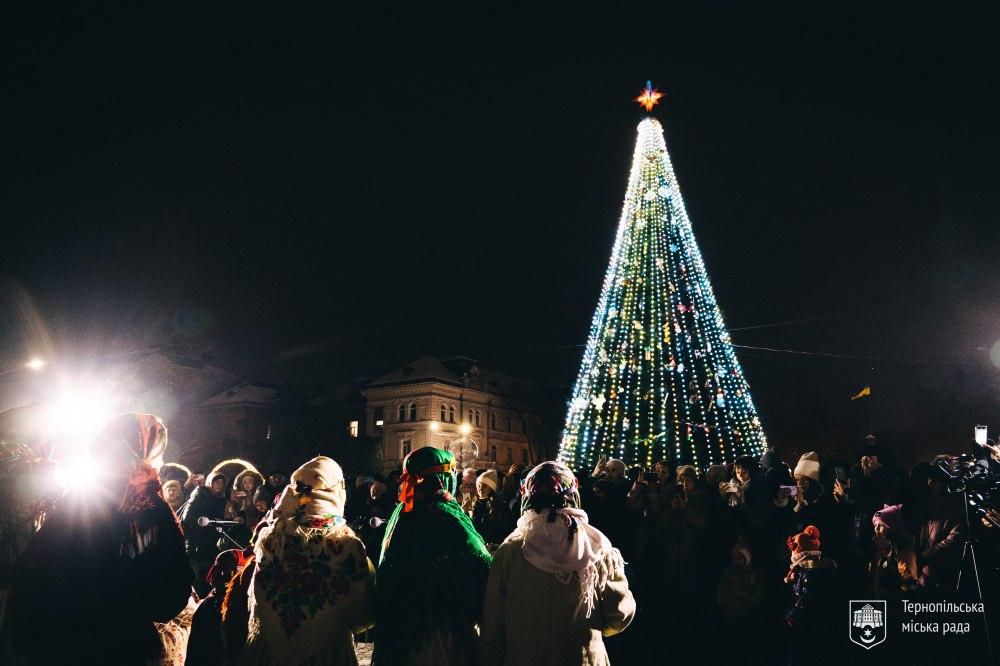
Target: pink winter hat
890 516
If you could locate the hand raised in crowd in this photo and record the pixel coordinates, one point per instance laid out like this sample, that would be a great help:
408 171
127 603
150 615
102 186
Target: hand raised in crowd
992 518
599 467
869 464
839 489
515 469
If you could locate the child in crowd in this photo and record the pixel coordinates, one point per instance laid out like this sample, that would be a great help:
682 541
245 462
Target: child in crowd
741 592
813 594
893 568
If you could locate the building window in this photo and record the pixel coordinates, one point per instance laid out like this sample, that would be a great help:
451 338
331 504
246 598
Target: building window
406 445
378 416
413 411
447 446
444 413
524 456
508 424
510 456
402 413
451 415
479 416
352 428
472 417
493 453
493 421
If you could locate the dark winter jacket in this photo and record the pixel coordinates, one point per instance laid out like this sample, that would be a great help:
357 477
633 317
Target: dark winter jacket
832 523
940 541
814 595
492 520
678 543
205 642
96 577
202 540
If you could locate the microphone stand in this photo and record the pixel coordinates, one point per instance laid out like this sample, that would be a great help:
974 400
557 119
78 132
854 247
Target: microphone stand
222 530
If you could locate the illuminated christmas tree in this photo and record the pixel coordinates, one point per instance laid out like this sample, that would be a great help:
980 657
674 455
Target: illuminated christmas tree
659 378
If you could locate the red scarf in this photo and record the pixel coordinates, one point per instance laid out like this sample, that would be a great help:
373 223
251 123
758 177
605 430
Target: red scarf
409 483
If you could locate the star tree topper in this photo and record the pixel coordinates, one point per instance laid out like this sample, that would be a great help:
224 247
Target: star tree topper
650 97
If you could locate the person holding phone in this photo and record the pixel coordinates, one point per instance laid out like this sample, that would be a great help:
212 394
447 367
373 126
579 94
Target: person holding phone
608 504
858 493
681 570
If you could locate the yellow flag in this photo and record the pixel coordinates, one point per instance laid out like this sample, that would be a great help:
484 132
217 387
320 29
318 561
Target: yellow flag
863 393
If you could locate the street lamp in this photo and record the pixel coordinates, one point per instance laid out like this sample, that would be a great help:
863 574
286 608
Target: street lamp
34 364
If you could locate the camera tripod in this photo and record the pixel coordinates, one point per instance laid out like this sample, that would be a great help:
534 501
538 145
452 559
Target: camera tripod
969 556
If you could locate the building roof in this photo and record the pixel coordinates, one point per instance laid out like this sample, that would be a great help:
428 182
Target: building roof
250 394
457 371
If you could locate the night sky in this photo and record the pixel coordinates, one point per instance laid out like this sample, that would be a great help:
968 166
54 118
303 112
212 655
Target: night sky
321 197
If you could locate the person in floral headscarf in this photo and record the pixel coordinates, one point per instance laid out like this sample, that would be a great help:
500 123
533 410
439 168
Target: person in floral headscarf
557 585
432 572
109 559
314 585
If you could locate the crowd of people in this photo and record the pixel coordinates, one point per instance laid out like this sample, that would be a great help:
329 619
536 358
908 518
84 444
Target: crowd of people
434 564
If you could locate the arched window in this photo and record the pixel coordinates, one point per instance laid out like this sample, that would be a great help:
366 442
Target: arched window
479 415
402 412
444 413
493 421
493 453
451 415
472 415
413 411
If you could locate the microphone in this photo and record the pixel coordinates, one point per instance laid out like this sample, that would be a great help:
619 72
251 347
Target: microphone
204 521
377 522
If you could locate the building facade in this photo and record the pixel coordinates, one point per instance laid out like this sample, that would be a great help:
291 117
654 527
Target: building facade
481 416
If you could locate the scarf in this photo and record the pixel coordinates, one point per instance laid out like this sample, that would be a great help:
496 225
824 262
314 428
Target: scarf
802 555
312 575
564 545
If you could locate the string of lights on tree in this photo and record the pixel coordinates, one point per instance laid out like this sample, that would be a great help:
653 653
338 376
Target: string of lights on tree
659 377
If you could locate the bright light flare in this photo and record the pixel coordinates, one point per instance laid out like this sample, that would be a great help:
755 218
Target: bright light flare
465 429
80 472
35 364
77 414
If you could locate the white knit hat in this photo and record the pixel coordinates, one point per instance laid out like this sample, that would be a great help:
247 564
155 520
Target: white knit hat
489 478
808 465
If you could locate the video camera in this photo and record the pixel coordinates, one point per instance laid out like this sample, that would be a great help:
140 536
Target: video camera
966 474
